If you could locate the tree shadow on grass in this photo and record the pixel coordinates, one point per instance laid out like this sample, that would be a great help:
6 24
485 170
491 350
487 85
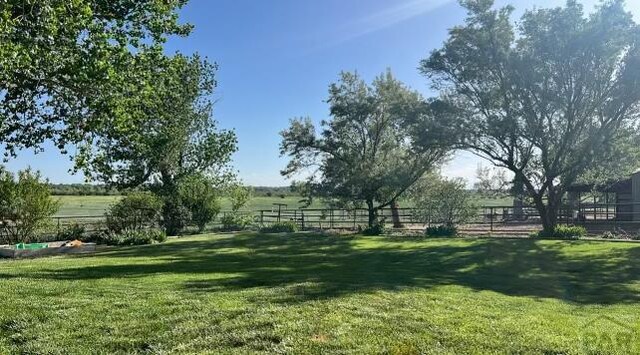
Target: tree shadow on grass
313 267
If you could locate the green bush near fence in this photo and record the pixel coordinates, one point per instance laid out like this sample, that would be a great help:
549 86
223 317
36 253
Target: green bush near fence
563 232
129 237
281 227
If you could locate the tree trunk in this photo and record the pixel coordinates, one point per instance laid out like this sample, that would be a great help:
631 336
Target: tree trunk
373 213
395 214
548 214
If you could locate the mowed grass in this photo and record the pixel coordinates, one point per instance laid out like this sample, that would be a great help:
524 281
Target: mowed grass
305 293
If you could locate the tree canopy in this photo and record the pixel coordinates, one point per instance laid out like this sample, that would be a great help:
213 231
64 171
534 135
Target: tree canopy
68 69
171 133
367 153
548 99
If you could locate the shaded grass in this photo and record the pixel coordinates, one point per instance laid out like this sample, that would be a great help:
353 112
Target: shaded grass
315 294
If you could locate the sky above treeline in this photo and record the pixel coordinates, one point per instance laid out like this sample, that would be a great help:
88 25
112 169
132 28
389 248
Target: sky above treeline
277 58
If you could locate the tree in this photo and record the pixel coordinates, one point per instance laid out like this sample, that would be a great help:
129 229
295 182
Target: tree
239 196
70 70
368 152
547 100
26 206
172 137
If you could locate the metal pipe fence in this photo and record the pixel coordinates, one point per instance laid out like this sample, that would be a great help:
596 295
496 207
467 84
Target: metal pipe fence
486 219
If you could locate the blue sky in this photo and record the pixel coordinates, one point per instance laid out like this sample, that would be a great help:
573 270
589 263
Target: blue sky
277 58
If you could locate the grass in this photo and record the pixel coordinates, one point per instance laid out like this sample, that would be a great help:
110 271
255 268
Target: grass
304 293
97 205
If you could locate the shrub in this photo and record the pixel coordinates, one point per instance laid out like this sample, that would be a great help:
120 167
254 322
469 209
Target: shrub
376 229
236 222
26 206
175 216
281 227
200 196
442 201
138 210
73 232
564 232
442 231
129 237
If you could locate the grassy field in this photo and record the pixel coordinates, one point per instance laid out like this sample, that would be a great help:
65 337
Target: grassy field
97 205
254 293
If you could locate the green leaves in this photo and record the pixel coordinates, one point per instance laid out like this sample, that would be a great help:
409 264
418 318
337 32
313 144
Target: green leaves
548 104
67 67
368 151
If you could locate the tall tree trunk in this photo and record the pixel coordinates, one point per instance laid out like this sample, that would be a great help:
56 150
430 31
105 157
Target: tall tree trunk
373 213
518 199
395 214
548 213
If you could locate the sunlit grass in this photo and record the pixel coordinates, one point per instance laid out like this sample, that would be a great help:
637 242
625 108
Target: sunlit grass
314 294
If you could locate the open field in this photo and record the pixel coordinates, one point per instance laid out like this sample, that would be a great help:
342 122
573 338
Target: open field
97 205
252 293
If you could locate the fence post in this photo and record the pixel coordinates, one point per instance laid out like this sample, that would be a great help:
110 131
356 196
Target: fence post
331 218
302 216
491 212
262 218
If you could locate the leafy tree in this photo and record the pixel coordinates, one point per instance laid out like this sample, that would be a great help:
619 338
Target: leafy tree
548 99
26 206
239 196
174 136
442 201
201 197
368 152
71 70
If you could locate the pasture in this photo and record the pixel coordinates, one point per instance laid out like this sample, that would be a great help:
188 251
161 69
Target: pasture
307 293
97 205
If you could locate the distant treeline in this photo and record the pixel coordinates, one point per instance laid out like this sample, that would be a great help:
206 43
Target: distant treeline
102 190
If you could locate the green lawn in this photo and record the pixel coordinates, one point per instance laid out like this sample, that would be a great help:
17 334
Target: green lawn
311 294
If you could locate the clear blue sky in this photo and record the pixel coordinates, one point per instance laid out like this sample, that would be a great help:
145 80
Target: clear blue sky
277 58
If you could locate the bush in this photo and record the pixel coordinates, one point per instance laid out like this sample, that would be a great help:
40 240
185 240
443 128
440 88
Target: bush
442 231
376 229
26 206
442 201
136 211
175 216
236 222
73 232
281 227
129 237
564 232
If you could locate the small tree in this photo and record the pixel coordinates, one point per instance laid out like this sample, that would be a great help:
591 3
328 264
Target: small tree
26 206
200 196
239 196
443 202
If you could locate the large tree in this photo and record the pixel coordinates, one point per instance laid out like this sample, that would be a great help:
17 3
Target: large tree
367 152
68 69
548 99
